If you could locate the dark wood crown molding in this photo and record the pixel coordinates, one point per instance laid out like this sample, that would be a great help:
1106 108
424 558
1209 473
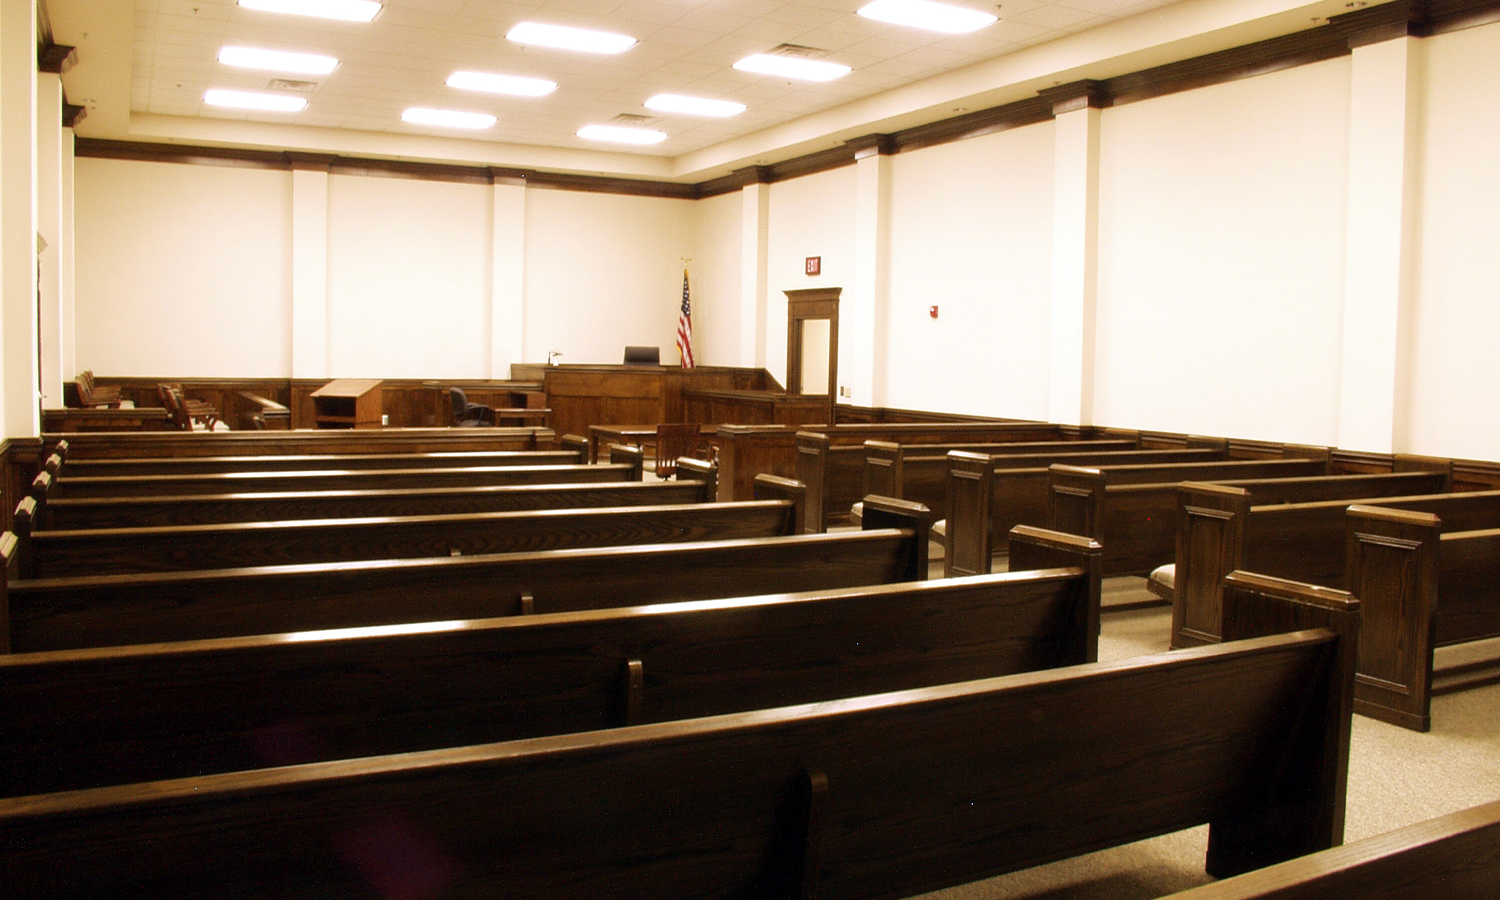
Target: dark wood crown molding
1337 38
72 114
55 58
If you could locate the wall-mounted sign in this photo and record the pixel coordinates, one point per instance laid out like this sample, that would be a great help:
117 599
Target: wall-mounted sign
815 265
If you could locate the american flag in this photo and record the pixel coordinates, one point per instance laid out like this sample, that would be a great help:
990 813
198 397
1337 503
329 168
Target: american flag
685 326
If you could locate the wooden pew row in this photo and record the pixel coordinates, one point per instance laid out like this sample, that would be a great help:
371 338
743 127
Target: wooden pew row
105 610
833 468
117 551
1454 857
205 509
113 468
336 480
125 445
836 476
833 799
89 718
1422 587
985 494
1222 527
749 450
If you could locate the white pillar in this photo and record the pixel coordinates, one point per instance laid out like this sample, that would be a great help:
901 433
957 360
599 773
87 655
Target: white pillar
508 279
1075 254
310 268
18 220
67 295
1381 249
755 222
50 200
863 313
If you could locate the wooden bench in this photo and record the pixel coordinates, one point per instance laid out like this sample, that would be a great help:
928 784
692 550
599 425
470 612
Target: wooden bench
244 443
1136 522
117 551
88 718
85 393
1455 857
874 796
1422 586
145 418
68 486
105 610
749 450
198 465
1262 528
832 465
987 494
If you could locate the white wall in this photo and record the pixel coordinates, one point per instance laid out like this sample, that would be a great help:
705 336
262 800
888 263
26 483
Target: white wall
1455 366
809 216
603 271
408 278
1221 257
716 280
182 270
971 233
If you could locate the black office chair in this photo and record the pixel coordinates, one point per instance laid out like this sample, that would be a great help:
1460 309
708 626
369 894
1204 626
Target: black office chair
469 415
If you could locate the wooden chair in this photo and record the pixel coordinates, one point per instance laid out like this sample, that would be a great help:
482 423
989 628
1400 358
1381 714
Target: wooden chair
90 395
673 440
186 411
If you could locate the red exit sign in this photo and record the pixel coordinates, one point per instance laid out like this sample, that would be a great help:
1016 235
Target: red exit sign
815 265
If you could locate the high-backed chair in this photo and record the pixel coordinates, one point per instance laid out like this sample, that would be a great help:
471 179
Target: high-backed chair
673 440
468 414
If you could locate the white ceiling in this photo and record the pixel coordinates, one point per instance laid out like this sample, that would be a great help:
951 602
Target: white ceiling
402 58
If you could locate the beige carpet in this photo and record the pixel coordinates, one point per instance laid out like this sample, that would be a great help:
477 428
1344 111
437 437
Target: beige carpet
1396 777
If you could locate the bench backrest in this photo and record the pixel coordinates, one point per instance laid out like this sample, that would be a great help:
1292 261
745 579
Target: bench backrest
345 440
87 718
106 610
105 468
875 796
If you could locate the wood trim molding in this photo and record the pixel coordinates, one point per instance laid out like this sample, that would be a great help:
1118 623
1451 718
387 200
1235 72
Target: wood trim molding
1401 18
55 58
72 114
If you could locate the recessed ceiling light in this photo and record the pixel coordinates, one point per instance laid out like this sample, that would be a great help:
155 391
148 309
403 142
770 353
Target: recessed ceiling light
694 106
345 10
491 83
447 118
791 67
277 60
252 100
618 135
565 38
928 15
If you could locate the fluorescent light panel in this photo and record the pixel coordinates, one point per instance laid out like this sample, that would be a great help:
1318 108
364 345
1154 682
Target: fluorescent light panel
927 15
252 100
343 10
618 135
491 83
565 38
277 60
791 67
694 106
447 118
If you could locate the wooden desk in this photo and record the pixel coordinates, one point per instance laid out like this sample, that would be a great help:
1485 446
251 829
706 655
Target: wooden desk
348 403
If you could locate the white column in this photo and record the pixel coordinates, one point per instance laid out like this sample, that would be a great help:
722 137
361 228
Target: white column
18 220
508 279
755 220
1075 263
863 309
1381 249
310 270
50 199
67 295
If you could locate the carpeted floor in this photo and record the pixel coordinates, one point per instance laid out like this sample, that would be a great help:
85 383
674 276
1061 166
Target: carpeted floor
1396 777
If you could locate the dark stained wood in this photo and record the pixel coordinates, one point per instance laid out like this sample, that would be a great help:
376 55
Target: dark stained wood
336 480
88 718
207 509
53 554
920 472
753 407
103 610
143 418
240 443
836 795
169 465
1456 857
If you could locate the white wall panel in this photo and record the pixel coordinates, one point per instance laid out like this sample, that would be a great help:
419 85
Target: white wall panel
1221 257
971 233
716 280
810 216
182 270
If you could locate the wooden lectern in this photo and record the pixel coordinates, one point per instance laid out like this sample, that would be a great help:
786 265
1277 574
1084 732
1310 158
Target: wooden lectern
347 403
